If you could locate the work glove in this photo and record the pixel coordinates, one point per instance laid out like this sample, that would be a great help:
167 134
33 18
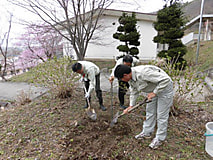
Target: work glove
111 79
85 79
81 79
87 95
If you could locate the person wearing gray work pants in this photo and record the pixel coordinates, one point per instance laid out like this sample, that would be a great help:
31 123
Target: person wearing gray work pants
159 88
158 111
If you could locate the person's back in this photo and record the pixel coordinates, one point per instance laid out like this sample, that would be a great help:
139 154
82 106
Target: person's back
90 66
91 76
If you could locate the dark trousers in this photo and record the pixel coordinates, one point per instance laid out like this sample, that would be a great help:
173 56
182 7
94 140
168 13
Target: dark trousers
122 89
97 89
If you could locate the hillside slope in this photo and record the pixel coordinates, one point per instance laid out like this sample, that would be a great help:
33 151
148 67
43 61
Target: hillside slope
205 58
192 9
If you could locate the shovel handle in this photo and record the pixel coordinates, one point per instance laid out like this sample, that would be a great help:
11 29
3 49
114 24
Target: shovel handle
139 104
88 103
119 115
111 90
136 106
86 98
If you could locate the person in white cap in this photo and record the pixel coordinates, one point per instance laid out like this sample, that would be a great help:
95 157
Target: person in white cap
159 88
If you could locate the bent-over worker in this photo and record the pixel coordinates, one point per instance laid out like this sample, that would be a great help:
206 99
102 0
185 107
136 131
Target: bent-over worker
91 76
159 88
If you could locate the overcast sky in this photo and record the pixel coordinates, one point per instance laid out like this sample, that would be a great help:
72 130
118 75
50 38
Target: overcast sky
144 6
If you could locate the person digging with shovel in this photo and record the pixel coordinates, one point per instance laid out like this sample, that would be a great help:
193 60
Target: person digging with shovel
123 86
91 77
159 88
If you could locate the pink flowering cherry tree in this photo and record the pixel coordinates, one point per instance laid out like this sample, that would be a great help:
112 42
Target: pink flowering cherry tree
39 43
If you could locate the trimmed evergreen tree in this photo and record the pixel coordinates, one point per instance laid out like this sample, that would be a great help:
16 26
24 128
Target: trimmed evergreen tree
127 33
169 24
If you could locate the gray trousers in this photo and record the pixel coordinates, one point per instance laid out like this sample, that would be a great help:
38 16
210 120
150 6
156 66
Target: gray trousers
158 111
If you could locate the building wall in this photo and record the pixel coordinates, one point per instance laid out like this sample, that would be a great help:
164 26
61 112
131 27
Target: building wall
148 49
103 45
106 49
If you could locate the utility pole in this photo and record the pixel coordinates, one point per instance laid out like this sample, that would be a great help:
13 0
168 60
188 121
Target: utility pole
200 25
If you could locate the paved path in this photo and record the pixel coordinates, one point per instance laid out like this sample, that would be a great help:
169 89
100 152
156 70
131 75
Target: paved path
11 90
106 85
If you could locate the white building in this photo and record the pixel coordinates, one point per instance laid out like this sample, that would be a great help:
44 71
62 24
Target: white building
105 46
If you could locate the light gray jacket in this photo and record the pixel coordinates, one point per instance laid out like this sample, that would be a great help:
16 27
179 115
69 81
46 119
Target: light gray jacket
147 78
90 71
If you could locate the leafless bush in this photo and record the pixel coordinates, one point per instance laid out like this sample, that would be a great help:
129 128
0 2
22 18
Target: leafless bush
57 76
23 98
187 83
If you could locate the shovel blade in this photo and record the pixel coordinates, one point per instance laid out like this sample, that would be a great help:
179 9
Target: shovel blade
115 119
91 114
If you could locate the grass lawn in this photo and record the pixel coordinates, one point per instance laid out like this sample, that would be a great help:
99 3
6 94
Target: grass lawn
205 58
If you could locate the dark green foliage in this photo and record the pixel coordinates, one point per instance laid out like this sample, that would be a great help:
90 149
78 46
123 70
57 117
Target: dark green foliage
134 50
128 34
135 43
133 36
116 35
123 38
120 29
169 24
123 48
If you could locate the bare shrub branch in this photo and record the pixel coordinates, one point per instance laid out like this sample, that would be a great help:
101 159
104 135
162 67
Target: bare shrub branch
4 49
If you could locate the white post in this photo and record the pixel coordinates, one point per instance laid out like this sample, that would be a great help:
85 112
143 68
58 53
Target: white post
207 30
200 25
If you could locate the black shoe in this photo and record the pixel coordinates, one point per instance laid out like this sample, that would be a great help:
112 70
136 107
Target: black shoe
86 106
122 106
102 107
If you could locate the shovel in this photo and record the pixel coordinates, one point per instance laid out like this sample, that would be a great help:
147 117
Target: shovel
111 90
117 115
90 111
